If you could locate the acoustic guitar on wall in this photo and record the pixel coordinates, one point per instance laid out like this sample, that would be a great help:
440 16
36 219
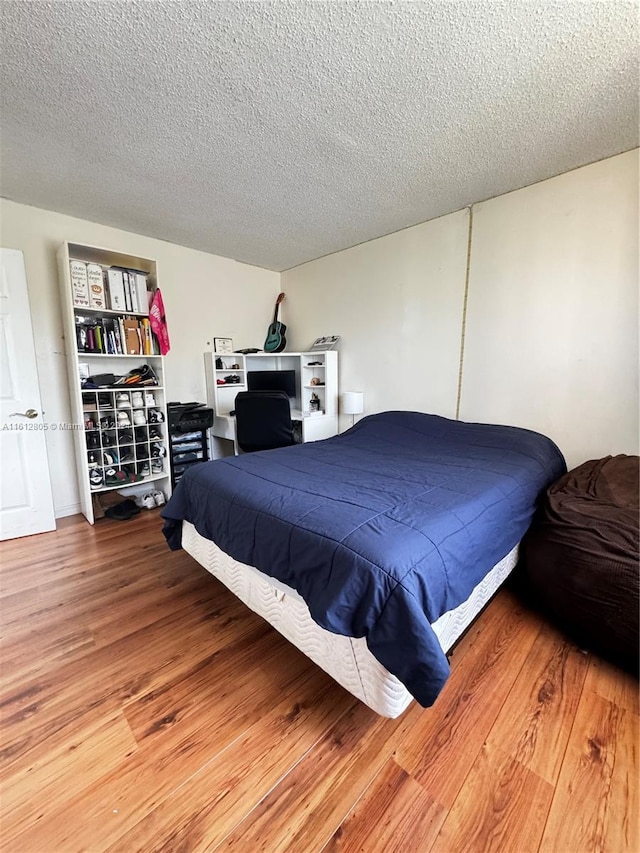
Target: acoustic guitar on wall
276 341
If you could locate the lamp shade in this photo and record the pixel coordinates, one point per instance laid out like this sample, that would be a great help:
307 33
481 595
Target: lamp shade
353 402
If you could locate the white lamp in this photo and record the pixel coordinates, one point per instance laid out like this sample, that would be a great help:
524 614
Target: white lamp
352 404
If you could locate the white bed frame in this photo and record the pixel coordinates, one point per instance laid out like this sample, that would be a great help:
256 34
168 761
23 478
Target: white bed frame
345 659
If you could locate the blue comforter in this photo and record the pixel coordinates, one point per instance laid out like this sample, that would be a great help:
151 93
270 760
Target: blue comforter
382 529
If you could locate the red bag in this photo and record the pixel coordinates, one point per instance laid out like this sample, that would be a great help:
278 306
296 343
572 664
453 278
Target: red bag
158 322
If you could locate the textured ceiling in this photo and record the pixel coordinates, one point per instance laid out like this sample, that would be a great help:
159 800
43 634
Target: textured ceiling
278 132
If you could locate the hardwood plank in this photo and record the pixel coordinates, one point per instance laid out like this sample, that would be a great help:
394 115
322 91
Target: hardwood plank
60 770
139 664
154 780
501 806
446 741
595 806
613 683
212 802
395 814
304 810
535 721
224 680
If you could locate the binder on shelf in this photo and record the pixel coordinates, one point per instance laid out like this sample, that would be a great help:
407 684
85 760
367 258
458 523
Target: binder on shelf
116 289
79 284
97 294
133 291
127 290
143 296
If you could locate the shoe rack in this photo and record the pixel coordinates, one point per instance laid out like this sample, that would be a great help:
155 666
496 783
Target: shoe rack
126 442
120 431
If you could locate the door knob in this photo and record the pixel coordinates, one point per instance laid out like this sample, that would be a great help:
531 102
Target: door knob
30 413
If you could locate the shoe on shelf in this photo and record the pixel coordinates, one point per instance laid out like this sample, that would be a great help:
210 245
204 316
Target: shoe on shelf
137 401
96 480
131 474
154 433
110 458
158 497
139 418
156 466
123 401
105 401
123 419
125 436
155 416
158 449
144 469
93 441
126 456
108 422
108 439
114 477
142 451
149 399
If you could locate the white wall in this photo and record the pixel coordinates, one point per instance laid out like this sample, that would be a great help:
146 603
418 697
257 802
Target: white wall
551 339
204 295
552 323
397 304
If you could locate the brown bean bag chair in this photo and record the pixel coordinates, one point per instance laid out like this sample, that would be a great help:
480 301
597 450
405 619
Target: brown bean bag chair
581 556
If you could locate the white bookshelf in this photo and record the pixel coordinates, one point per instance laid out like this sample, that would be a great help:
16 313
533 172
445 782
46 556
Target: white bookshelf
94 410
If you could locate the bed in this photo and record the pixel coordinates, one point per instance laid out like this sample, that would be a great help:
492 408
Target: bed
371 551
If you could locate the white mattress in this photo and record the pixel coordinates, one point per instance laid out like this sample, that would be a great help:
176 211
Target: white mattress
345 659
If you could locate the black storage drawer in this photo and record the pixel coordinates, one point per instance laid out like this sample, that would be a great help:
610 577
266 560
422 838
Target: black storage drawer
187 426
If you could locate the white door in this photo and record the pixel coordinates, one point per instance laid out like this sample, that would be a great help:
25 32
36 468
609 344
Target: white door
26 503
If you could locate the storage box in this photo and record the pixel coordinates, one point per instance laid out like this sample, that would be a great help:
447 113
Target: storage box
97 296
79 283
133 344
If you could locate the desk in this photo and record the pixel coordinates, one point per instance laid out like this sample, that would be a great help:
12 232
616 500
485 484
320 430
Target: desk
316 376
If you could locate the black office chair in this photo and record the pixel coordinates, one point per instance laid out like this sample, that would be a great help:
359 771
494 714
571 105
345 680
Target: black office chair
263 420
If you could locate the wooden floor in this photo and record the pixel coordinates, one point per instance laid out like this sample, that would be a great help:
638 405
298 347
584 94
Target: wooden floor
144 708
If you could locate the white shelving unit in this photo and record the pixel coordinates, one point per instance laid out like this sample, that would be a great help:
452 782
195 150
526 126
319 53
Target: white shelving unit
104 442
316 373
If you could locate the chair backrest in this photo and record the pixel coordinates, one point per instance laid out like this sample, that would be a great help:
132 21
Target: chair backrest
263 420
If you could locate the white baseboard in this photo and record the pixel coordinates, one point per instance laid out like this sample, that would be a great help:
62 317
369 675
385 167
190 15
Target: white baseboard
70 509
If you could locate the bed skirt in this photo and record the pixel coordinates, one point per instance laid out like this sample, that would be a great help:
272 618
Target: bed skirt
346 659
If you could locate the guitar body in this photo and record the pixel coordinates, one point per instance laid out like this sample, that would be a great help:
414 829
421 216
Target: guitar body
275 340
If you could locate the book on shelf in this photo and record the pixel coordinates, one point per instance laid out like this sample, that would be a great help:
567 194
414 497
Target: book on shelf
115 336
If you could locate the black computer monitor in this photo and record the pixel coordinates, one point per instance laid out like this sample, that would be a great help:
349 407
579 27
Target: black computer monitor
272 380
